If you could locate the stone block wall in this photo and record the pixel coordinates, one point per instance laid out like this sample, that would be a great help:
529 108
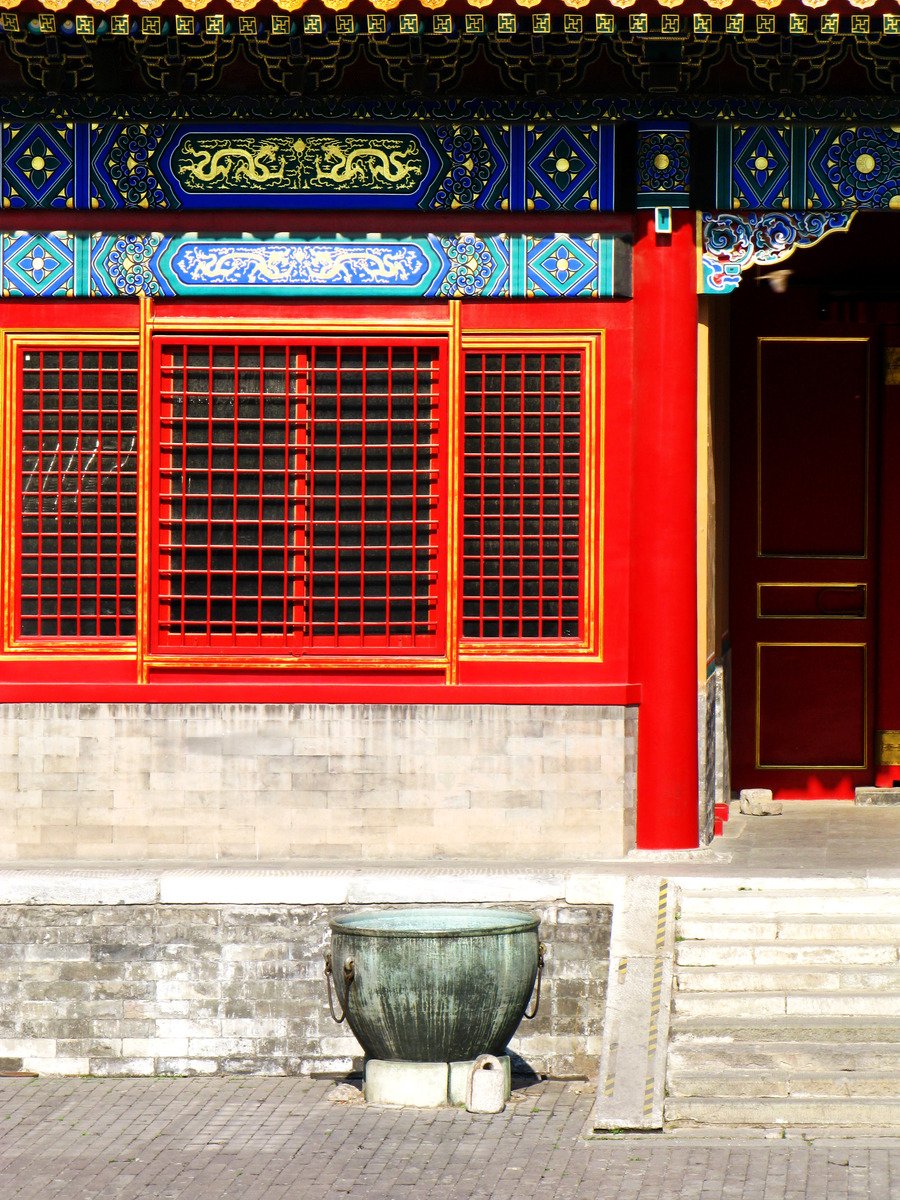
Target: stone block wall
140 989
333 782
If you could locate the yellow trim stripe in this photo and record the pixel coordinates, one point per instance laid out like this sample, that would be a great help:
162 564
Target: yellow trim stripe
656 997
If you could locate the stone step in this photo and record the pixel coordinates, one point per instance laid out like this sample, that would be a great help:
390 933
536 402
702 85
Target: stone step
783 1111
787 881
787 979
844 904
714 1027
757 1004
786 1007
745 1084
805 928
784 953
716 1054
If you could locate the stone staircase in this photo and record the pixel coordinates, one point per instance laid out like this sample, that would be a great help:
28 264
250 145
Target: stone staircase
786 1004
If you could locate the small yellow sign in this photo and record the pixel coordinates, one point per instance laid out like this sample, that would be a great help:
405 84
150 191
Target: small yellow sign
892 365
889 747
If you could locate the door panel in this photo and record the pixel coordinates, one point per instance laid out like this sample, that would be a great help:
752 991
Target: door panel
802 577
812 706
812 447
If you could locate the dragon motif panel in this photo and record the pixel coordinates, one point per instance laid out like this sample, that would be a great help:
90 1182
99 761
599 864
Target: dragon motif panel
428 166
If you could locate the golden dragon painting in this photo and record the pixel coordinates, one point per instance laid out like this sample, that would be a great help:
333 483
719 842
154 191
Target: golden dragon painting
282 162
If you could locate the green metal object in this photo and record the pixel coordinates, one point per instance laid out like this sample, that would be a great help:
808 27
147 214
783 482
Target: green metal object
434 984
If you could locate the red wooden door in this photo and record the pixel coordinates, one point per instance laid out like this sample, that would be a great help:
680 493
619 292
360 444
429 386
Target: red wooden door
803 553
887 704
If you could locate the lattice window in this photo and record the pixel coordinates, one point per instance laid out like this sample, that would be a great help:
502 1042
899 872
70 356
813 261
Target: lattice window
523 483
373 502
299 496
77 500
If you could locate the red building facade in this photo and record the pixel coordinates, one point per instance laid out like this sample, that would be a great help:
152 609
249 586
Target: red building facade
281 433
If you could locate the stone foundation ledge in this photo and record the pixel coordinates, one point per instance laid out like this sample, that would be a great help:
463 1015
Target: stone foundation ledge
350 885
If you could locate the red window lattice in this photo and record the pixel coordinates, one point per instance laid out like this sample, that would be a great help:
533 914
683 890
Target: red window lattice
299 496
522 522
77 493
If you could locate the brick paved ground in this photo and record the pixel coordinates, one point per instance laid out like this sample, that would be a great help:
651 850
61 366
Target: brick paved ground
210 1139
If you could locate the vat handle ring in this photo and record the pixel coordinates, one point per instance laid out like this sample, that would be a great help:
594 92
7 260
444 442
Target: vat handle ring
349 973
529 1016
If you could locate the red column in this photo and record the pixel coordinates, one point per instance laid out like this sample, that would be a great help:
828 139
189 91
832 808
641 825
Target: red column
664 532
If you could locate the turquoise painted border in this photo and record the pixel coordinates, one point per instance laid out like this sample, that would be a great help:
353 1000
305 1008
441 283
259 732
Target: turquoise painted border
447 266
460 266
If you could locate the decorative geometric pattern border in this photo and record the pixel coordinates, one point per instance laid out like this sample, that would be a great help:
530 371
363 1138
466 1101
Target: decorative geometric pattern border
811 109
460 265
155 164
152 164
807 167
732 242
664 165
39 264
93 18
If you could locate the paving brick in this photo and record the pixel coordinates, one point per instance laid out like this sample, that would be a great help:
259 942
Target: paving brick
263 1138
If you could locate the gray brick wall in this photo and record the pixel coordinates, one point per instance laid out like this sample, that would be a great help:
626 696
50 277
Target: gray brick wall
182 989
342 782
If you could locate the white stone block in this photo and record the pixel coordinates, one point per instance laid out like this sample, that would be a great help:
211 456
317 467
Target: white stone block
758 802
418 1085
56 1066
177 1028
154 1047
486 1090
27 1047
460 1073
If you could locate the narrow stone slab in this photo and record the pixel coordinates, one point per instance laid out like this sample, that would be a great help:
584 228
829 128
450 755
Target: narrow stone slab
631 1085
75 885
870 797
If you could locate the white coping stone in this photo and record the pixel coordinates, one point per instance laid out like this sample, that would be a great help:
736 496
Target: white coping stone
335 884
234 885
459 1079
296 885
457 885
582 888
77 886
761 882
416 1084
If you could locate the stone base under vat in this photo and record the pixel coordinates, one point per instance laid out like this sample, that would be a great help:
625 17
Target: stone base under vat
423 1085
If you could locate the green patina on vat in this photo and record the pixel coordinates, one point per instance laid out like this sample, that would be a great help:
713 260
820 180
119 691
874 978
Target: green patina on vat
435 984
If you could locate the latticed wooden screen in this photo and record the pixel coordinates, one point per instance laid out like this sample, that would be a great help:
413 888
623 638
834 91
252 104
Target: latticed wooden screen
299 496
522 508
77 498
